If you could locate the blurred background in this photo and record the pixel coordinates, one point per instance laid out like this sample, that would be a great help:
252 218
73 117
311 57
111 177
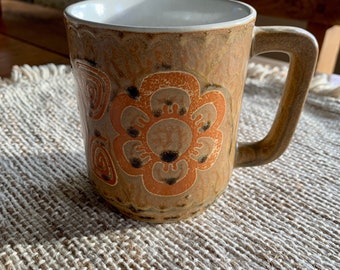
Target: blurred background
32 31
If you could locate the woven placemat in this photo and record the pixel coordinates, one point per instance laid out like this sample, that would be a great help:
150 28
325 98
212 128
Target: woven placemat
284 215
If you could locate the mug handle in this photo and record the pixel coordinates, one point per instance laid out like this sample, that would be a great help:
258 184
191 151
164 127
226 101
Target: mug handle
302 48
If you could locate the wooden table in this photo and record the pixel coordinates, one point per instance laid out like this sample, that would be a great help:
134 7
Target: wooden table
323 20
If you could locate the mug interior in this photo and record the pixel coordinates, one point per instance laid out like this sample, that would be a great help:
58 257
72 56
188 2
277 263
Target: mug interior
161 15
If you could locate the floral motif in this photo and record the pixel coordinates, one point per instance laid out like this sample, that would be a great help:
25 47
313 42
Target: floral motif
167 131
95 89
101 162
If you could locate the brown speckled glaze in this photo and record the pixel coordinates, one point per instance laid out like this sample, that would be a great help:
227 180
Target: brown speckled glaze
160 113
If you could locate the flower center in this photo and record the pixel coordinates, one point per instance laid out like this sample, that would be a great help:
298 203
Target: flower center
169 139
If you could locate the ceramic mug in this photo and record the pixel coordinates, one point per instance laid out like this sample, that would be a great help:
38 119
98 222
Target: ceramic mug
160 91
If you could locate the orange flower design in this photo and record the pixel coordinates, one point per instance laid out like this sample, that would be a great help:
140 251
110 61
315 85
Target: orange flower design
95 89
101 162
167 131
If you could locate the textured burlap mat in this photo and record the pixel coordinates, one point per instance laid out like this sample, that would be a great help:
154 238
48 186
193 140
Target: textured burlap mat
284 215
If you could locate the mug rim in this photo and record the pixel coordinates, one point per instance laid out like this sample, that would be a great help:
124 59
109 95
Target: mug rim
68 14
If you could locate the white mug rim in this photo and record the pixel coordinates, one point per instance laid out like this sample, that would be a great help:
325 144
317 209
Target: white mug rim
68 13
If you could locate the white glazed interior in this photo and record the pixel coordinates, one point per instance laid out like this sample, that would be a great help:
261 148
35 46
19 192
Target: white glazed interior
161 15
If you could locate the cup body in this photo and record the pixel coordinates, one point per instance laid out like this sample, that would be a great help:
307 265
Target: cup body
160 104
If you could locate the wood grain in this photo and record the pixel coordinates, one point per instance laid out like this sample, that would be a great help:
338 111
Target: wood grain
30 34
317 11
320 16
34 24
15 52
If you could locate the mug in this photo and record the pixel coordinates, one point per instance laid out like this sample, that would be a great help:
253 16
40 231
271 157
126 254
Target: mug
160 87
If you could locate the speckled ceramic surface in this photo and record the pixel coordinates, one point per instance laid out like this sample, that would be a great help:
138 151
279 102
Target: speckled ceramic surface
160 113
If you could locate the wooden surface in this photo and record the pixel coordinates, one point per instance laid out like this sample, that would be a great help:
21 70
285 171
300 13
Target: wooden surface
30 34
320 15
15 52
317 11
